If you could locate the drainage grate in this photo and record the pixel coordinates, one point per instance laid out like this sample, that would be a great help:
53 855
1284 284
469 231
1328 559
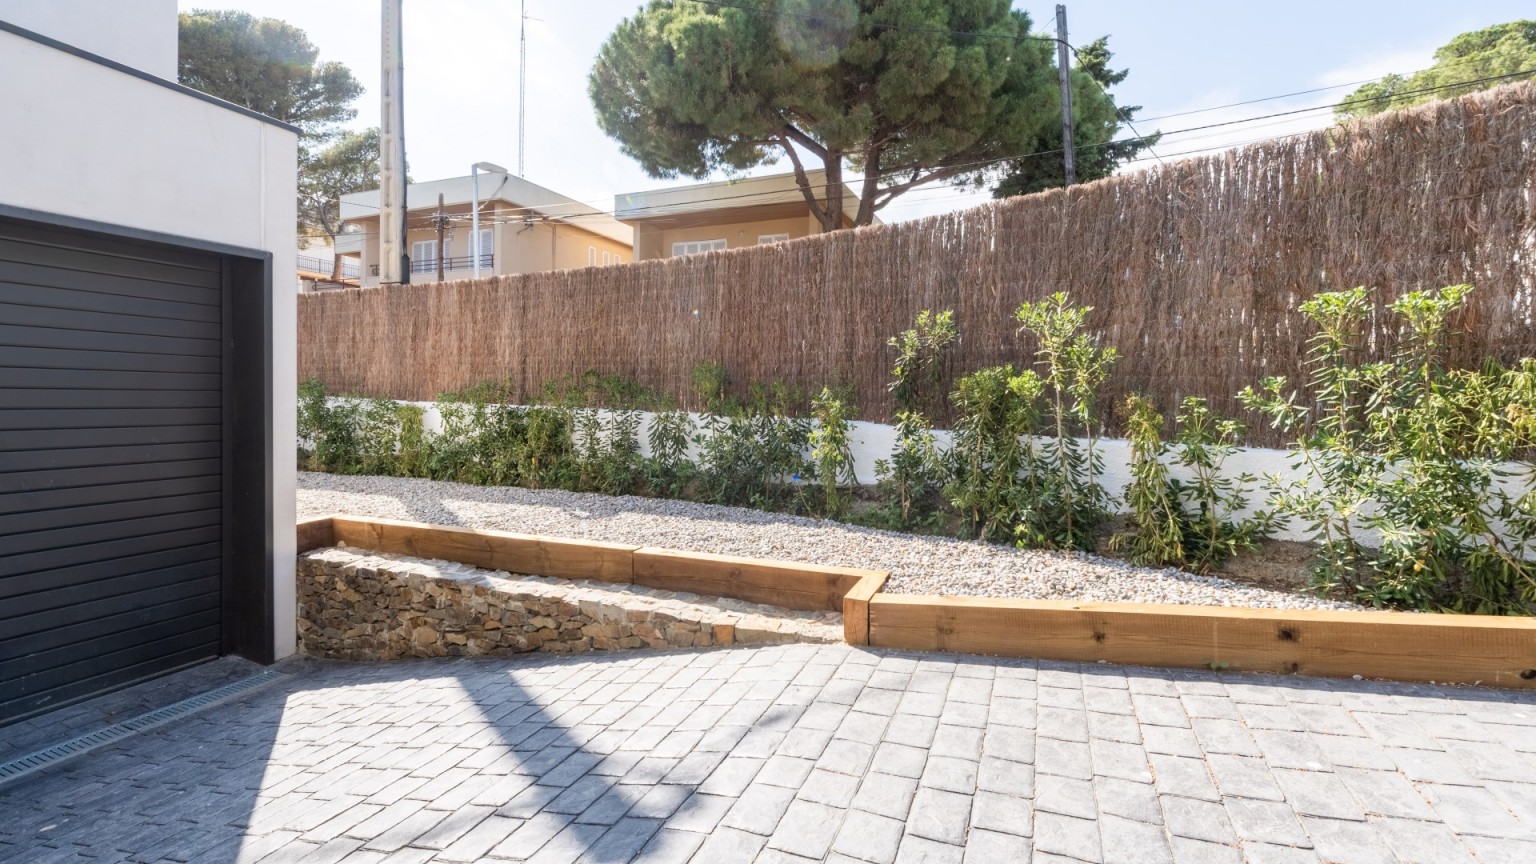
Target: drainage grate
118 731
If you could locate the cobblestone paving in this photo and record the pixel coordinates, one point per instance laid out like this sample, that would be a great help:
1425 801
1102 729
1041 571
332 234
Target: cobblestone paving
799 753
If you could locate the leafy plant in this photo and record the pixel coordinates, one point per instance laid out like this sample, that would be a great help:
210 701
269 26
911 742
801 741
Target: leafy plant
668 470
1403 479
994 467
911 480
831 450
1193 523
1070 503
752 453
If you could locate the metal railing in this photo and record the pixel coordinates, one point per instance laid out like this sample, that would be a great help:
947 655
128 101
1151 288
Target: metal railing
466 262
321 265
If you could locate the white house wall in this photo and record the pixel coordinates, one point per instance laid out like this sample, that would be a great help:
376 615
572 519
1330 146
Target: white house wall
87 141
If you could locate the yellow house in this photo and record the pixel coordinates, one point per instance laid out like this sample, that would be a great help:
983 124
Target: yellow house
524 228
726 215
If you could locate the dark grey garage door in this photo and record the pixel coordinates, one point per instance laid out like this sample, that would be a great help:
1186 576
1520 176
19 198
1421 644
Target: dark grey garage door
111 463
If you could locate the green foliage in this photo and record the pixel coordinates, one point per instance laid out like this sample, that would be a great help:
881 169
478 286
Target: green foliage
911 480
1156 521
1193 523
752 453
831 451
349 164
994 466
608 451
1069 504
668 470
1097 147
1503 49
905 93
1402 482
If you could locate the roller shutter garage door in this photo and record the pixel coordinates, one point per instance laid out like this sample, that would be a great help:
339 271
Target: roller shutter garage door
111 463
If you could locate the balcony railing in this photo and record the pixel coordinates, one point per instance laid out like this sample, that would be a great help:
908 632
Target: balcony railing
466 262
321 265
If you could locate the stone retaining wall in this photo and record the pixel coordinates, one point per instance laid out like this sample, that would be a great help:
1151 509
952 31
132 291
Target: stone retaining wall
359 605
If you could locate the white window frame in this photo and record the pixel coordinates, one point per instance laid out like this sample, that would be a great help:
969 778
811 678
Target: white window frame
591 256
607 258
487 247
427 261
693 247
765 239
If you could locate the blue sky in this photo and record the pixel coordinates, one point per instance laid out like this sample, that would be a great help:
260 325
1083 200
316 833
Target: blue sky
461 72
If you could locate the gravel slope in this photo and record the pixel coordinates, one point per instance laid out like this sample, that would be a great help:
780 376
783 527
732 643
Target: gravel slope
918 565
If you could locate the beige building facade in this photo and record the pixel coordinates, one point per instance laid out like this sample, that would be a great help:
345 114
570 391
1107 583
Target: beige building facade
524 228
731 214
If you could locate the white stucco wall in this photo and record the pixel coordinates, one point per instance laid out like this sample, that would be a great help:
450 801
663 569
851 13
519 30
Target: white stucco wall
83 140
137 33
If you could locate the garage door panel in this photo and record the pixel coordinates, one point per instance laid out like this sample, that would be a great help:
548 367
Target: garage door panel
35 397
111 462
114 436
37 521
34 481
35 461
40 358
103 571
52 559
48 625
40 286
91 678
95 340
98 379
158 265
107 322
23 605
177 513
96 418
127 622
40 672
84 496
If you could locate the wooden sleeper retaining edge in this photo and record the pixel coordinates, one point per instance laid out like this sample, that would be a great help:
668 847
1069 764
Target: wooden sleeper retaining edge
1403 646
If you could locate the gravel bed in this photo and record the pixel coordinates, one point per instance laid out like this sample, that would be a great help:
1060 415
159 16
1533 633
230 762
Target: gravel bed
918 565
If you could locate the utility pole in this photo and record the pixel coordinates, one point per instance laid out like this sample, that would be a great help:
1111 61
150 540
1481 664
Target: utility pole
394 262
442 226
1064 72
522 87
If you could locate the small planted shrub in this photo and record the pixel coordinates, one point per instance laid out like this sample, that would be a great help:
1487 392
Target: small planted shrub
911 480
1193 522
831 451
1068 503
993 465
752 452
668 470
1409 483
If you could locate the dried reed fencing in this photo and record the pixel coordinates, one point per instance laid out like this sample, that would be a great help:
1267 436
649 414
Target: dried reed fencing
1195 271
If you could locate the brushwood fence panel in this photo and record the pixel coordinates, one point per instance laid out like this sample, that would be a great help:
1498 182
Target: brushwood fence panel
1195 271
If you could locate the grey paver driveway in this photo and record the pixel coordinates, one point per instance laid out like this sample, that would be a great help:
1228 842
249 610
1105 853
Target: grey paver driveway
799 753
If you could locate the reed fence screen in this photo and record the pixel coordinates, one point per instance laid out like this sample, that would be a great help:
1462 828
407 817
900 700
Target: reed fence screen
1195 271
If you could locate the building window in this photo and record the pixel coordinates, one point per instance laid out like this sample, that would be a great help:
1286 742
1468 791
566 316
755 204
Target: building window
487 249
424 256
695 246
607 258
765 239
591 256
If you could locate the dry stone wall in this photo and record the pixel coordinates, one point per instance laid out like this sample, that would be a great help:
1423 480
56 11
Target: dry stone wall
360 605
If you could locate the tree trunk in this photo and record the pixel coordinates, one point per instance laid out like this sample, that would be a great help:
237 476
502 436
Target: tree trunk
831 217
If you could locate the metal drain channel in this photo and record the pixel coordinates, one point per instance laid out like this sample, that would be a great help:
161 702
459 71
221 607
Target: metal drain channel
116 732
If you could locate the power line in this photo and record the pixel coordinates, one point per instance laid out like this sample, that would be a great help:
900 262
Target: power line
982 163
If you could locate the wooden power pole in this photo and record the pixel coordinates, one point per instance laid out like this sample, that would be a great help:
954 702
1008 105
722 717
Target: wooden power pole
442 226
1064 72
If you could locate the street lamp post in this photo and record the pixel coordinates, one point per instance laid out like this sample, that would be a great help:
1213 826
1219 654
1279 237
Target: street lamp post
474 173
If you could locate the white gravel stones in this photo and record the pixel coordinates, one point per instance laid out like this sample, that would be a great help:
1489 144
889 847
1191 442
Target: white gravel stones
918 565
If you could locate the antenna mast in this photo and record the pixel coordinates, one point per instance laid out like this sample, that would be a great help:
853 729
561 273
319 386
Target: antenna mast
522 88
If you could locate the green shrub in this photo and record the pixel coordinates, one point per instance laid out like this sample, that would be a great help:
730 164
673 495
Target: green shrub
1410 451
831 451
752 453
1193 523
668 470
994 468
911 480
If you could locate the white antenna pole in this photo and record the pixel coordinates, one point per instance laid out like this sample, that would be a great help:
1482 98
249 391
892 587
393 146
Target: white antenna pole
394 268
522 87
